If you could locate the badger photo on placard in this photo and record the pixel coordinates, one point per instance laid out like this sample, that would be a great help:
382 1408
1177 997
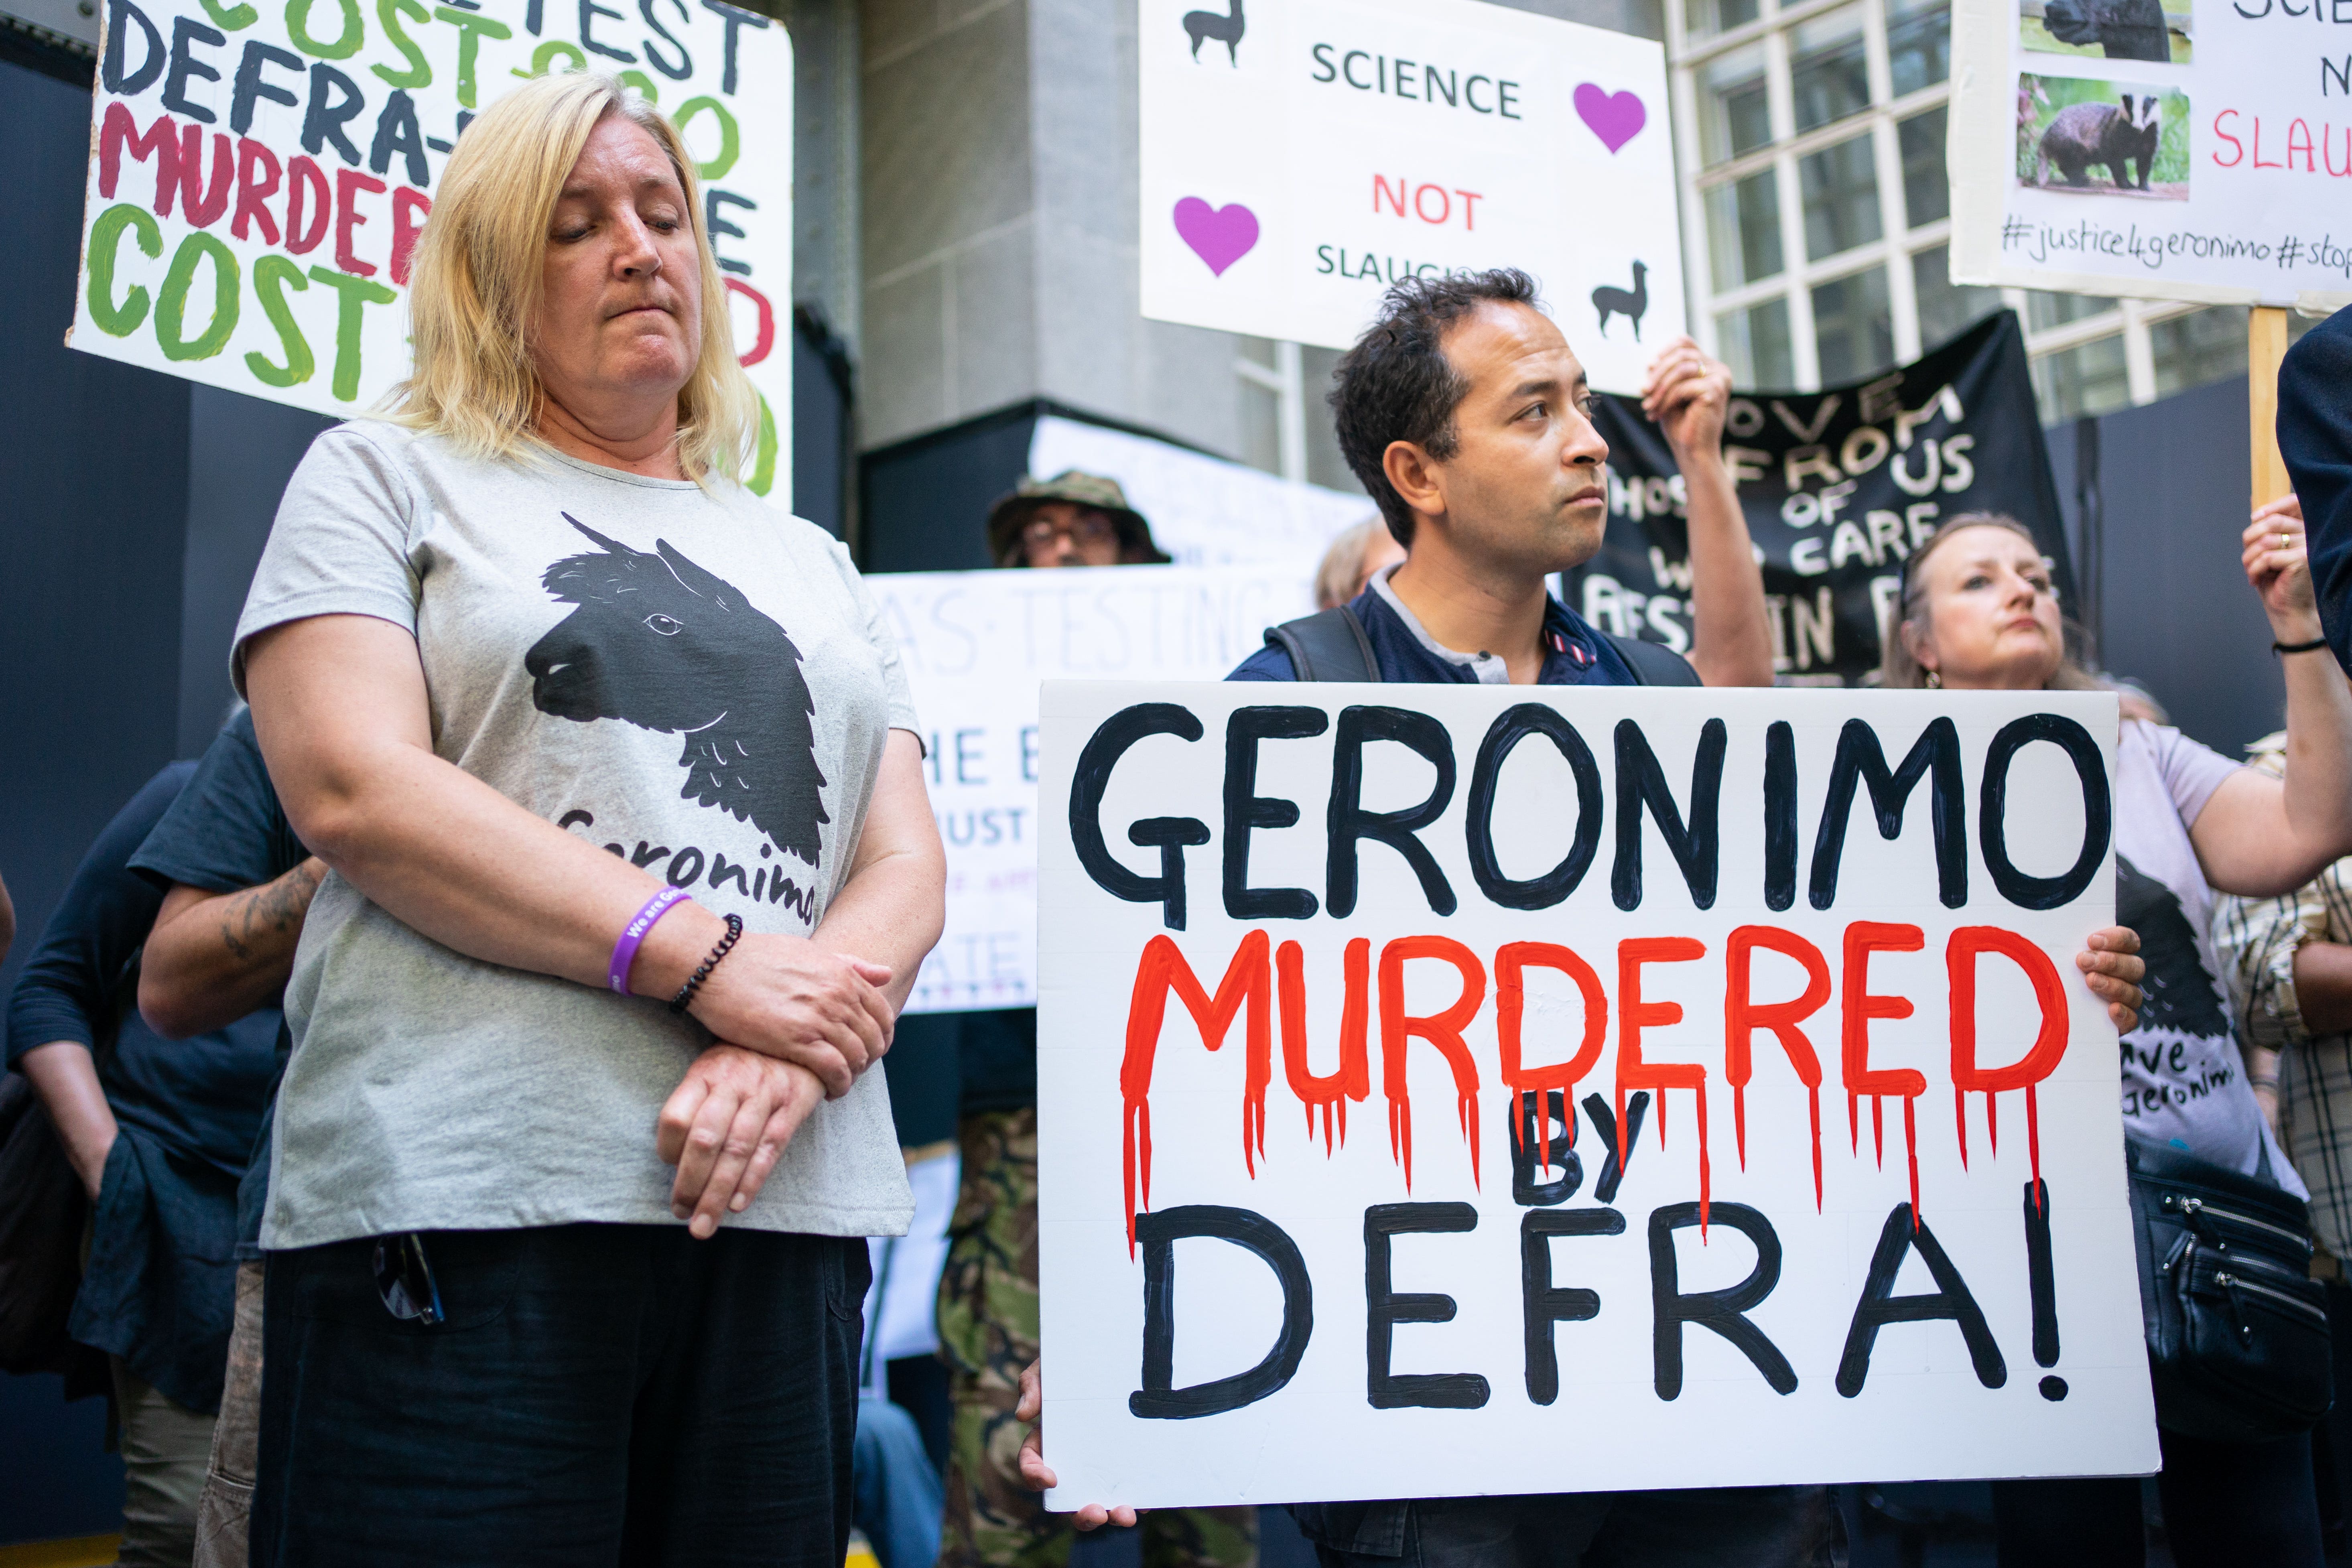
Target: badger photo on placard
2214 138
2101 138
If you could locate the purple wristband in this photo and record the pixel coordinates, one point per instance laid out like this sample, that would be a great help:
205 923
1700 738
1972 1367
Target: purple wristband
625 952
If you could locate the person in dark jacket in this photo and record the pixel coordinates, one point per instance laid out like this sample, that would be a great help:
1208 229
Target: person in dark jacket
237 884
2315 437
159 1132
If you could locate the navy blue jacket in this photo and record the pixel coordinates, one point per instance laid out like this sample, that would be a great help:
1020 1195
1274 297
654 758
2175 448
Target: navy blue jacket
2315 435
228 832
1574 654
159 1288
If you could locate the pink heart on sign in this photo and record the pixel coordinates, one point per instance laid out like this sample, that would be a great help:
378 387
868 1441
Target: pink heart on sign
1615 117
1218 236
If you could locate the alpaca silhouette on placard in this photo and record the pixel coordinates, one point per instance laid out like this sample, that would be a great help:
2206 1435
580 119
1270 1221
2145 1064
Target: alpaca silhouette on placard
1226 29
1628 303
662 644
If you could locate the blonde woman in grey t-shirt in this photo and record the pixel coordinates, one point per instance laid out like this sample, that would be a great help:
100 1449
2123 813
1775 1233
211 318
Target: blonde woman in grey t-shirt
1978 614
633 866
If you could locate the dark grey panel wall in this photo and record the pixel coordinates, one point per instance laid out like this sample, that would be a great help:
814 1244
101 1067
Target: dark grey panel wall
93 487
2175 611
822 451
93 484
241 452
927 500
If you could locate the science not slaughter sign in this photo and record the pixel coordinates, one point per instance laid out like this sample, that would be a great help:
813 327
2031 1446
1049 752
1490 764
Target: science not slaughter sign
975 646
2167 148
1298 156
1839 487
260 172
1472 1090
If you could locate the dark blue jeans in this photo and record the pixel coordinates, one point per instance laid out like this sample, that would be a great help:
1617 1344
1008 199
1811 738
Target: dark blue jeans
900 1498
598 1394
2226 1505
1718 1527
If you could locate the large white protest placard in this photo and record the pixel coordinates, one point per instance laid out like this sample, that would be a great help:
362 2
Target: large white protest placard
259 175
1430 936
1300 155
2166 149
1204 511
975 646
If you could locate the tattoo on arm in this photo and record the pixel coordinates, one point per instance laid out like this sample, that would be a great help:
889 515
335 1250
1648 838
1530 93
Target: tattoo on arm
274 909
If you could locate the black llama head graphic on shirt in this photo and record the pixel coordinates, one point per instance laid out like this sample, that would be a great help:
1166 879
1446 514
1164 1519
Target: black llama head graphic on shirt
2180 993
657 642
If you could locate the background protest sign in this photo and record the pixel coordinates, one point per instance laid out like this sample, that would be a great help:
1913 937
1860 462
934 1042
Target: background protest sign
975 646
1299 157
1349 1250
260 173
2154 147
1838 487
1204 511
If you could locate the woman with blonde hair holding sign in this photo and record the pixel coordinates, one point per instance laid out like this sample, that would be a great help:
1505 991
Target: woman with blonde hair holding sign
1978 613
632 868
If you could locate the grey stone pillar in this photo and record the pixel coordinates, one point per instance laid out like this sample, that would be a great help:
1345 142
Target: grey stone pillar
1000 265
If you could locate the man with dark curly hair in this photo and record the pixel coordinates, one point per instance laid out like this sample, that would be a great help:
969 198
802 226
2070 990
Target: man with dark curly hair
1466 416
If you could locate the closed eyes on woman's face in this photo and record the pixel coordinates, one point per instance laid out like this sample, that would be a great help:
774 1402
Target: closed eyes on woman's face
621 309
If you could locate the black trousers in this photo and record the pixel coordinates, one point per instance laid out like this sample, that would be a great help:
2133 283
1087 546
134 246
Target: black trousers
597 1394
1709 1527
2226 1505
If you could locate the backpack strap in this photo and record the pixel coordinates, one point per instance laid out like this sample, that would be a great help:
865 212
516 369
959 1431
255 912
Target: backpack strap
1654 664
1328 645
1331 646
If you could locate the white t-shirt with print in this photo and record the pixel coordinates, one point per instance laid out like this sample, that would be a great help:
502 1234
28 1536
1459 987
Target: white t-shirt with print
2184 1081
687 678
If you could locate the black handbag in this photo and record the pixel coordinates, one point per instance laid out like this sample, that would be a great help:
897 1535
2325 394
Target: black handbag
44 1217
43 1211
2237 1328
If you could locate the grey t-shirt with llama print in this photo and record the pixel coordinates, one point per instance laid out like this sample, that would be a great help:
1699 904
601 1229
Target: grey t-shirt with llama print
687 678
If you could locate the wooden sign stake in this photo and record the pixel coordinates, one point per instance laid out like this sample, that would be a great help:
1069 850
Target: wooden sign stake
2266 347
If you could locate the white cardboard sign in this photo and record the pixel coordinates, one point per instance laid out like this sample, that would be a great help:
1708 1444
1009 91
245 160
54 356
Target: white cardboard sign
1204 511
975 646
260 172
1349 1250
1300 155
2163 149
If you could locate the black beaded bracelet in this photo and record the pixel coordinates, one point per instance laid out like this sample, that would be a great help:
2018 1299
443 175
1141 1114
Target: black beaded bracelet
686 993
2314 645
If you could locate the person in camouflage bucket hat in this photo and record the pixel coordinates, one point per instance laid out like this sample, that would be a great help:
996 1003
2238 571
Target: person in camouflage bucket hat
988 1333
1075 518
987 1288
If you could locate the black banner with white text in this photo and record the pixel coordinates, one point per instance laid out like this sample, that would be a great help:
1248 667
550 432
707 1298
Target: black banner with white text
1839 487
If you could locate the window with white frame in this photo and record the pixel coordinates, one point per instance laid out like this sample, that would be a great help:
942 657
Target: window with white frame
1816 213
1285 430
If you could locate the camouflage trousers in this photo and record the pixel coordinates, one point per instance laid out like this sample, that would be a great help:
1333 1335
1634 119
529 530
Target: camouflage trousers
988 1334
